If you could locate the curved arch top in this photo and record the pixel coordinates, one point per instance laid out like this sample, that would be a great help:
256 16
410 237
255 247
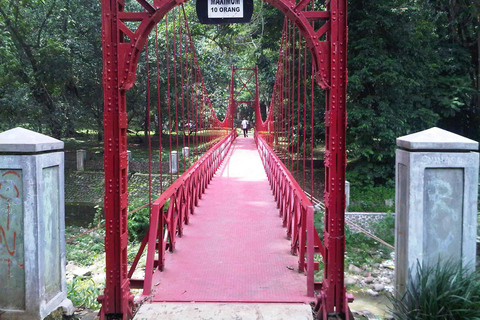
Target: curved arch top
129 52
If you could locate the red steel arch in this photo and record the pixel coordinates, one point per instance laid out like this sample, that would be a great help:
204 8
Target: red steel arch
121 51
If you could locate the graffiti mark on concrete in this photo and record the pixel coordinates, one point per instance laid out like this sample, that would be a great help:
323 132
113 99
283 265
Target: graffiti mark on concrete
10 196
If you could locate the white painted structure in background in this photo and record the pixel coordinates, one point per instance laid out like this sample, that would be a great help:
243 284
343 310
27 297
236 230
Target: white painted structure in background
435 201
347 195
225 8
32 226
186 152
81 157
173 164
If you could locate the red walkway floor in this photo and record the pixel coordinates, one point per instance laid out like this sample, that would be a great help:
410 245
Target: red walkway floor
234 249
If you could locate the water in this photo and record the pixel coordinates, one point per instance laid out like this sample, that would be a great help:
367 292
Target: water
80 214
378 305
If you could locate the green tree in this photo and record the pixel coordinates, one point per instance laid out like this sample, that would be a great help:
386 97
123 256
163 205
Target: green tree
399 82
458 29
42 59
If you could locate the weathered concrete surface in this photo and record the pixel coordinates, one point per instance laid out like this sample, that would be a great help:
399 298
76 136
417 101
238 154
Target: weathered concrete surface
32 237
347 194
173 162
27 141
81 157
435 201
220 311
436 139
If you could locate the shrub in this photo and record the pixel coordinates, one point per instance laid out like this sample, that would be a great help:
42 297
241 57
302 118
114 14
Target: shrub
86 249
83 293
138 222
444 290
360 249
385 228
370 199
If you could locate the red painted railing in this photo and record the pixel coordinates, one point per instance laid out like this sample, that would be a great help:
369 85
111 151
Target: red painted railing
296 211
171 211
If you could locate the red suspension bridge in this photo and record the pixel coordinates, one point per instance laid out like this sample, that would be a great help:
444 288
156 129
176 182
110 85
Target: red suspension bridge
234 249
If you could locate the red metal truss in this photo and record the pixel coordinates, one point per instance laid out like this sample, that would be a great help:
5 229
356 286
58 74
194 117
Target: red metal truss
233 103
327 43
121 48
325 34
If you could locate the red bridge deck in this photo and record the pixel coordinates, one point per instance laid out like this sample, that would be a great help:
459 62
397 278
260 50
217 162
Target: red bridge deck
235 248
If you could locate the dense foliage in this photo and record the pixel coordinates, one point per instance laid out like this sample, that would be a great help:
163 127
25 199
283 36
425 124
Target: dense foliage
412 65
50 65
409 70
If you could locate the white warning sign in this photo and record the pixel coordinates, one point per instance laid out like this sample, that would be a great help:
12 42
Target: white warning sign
225 8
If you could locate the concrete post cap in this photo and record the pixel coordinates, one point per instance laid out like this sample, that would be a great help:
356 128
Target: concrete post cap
436 139
26 141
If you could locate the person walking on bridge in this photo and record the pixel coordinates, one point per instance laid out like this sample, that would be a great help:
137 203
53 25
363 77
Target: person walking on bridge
245 127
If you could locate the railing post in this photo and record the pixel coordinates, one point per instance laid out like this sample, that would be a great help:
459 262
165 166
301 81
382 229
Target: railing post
152 246
310 251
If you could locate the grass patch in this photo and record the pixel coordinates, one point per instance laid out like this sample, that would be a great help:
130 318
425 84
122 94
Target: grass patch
85 250
360 249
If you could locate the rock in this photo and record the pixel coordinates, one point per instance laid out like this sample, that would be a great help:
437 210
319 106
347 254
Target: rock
67 307
372 293
366 314
98 278
388 264
389 289
70 267
378 287
369 280
354 269
57 314
77 271
376 265
350 281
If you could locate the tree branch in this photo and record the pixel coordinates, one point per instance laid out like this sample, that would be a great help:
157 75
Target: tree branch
18 38
44 22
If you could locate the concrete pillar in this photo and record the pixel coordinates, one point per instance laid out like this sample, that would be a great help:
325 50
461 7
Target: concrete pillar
81 157
435 201
129 159
173 162
32 225
347 195
186 152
